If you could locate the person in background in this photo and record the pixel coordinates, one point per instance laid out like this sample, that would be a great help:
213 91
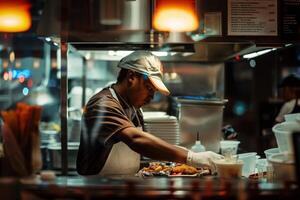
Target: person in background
112 136
289 89
229 133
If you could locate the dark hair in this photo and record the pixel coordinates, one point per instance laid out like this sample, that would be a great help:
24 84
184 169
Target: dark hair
291 80
122 75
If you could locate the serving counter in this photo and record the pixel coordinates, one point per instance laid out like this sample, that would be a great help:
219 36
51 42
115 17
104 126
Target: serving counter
124 187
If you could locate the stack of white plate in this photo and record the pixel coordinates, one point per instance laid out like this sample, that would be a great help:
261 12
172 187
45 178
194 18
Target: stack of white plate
163 126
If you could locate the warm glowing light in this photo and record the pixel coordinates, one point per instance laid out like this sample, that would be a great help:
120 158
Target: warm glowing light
36 64
5 64
53 64
21 79
10 75
18 64
5 76
175 15
12 56
14 16
30 83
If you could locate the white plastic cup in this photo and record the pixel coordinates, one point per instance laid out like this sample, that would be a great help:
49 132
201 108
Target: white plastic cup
229 148
261 166
249 160
270 152
292 117
283 134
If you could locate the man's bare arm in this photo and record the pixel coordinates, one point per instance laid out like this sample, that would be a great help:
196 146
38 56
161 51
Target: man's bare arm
151 146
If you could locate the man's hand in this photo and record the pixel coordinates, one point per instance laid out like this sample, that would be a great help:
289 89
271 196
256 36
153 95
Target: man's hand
203 159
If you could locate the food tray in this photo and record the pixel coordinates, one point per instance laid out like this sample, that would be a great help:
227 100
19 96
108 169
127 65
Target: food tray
170 169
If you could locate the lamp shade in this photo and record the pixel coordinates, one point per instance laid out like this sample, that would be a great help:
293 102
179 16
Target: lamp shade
14 16
175 15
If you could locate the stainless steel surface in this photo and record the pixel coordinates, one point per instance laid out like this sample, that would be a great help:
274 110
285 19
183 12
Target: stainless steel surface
64 106
128 15
182 50
55 154
195 79
203 102
204 118
74 125
123 24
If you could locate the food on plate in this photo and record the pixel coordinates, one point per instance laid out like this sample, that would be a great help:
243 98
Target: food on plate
156 167
172 169
184 169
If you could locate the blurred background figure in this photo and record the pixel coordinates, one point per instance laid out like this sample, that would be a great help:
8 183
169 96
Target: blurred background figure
289 91
229 132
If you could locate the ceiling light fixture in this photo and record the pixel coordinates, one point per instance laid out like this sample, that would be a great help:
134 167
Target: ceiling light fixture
14 16
175 15
258 53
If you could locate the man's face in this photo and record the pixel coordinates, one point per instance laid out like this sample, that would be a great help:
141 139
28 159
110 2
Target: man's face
142 91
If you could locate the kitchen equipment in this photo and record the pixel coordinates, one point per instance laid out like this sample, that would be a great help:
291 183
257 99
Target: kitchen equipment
205 116
74 125
49 136
163 126
283 133
76 96
55 155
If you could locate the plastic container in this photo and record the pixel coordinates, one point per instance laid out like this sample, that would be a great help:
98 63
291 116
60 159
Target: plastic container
270 152
198 147
229 147
261 165
298 119
292 117
229 169
249 160
283 166
283 134
55 155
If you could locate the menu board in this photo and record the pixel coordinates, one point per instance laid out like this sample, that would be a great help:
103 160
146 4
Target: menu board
290 19
252 17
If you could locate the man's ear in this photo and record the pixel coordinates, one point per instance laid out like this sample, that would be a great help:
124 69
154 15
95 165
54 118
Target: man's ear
131 77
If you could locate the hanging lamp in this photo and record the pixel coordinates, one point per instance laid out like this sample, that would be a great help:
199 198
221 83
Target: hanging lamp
14 15
175 15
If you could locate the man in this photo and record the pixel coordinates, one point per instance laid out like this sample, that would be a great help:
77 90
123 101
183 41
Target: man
112 138
289 89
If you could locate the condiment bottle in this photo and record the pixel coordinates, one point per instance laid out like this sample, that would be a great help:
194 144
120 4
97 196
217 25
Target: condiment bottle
198 147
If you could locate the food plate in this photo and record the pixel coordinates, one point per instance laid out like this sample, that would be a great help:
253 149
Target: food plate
171 169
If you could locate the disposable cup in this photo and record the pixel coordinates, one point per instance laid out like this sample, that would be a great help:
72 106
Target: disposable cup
270 152
229 148
227 169
292 117
249 160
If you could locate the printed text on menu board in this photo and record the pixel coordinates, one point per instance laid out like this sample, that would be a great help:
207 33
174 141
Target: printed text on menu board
252 17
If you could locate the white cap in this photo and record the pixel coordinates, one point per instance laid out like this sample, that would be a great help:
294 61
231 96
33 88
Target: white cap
144 62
